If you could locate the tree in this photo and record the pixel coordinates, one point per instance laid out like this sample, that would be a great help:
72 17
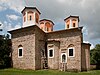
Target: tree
95 56
5 50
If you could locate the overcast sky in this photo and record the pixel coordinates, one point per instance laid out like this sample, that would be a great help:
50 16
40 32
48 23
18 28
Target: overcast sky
57 11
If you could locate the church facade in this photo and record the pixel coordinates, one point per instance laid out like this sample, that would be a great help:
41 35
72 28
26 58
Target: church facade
36 46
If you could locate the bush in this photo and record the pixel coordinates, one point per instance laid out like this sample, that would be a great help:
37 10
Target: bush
5 50
95 56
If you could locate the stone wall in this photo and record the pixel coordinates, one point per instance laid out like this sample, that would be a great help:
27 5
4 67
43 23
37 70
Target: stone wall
26 38
85 57
53 63
40 40
68 37
34 40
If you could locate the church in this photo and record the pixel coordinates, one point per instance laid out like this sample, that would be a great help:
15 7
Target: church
37 46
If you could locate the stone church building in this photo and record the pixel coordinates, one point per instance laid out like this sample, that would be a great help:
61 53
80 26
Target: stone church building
36 46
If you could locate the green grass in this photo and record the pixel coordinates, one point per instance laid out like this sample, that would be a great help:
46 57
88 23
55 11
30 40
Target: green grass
44 72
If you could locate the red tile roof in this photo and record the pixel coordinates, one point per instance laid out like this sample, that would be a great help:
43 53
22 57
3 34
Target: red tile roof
30 8
72 17
47 20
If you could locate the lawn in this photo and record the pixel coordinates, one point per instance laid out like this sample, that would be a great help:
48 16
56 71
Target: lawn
44 72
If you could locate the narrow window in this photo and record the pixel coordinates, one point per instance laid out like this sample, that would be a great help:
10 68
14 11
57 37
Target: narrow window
20 52
36 20
51 53
73 24
30 18
68 26
47 29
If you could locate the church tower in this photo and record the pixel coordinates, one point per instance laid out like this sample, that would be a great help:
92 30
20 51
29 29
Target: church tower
46 25
31 16
71 22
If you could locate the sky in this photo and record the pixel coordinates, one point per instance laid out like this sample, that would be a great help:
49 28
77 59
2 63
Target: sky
55 10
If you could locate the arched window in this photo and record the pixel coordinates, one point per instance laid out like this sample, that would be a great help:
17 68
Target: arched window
47 29
30 18
20 51
48 26
74 25
37 18
30 15
63 58
74 22
67 25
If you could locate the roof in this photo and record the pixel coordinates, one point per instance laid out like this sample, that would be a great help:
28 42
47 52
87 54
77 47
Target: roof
22 28
78 28
86 44
72 17
30 8
47 20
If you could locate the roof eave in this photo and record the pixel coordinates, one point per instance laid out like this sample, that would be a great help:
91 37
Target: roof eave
30 8
47 20
73 17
